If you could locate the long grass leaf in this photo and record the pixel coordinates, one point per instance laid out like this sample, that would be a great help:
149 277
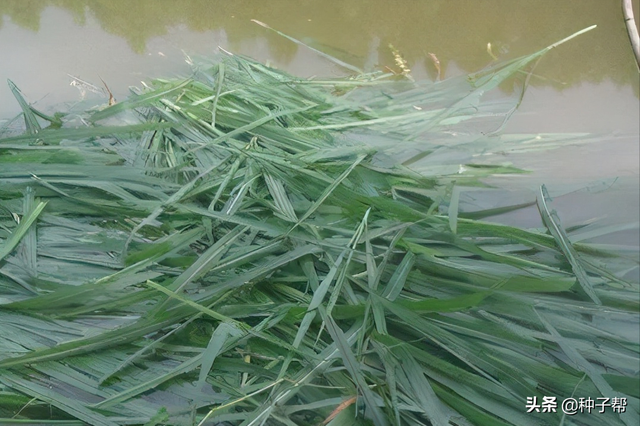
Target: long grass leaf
327 192
30 120
21 230
552 222
351 364
298 42
52 397
218 339
399 277
139 101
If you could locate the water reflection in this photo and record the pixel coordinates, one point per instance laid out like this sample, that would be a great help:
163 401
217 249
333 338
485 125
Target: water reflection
359 32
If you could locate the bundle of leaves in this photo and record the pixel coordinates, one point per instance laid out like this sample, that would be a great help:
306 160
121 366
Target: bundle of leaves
226 250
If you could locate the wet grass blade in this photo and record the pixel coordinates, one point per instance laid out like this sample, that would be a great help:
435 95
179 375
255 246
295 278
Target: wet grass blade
298 42
21 230
552 222
56 399
353 367
327 192
30 120
54 136
139 101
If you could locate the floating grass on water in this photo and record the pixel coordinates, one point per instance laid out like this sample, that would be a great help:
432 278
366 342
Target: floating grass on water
240 257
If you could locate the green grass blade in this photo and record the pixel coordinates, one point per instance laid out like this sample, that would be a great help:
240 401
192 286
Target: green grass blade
353 367
324 55
552 222
21 230
30 120
399 277
327 192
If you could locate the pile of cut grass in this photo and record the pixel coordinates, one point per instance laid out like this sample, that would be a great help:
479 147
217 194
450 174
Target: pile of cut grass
234 257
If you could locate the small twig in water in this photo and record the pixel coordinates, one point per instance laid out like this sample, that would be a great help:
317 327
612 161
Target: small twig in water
112 100
632 30
436 63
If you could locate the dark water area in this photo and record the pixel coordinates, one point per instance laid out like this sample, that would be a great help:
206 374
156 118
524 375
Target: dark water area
589 85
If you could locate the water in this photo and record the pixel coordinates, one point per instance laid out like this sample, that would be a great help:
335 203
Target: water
588 85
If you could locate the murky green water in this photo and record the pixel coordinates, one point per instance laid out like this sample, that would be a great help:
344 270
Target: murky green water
588 85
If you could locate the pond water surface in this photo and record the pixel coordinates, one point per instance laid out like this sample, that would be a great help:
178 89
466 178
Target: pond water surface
587 85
